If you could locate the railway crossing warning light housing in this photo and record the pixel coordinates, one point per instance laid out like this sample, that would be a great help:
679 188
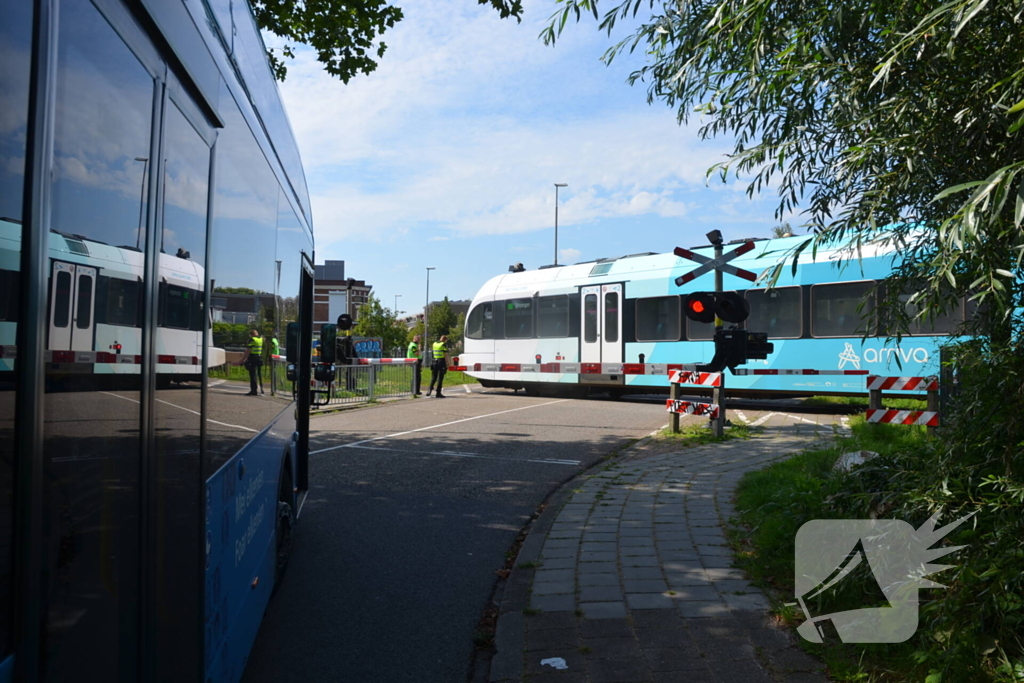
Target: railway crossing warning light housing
736 347
704 306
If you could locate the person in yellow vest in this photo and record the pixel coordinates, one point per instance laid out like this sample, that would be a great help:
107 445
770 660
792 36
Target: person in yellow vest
414 352
439 366
253 362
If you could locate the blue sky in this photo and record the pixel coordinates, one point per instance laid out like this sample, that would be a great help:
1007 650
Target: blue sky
446 156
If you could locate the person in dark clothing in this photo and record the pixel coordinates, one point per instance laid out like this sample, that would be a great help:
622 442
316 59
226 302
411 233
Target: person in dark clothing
439 365
414 352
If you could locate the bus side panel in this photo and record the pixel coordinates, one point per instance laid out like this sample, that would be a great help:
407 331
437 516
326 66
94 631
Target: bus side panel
241 510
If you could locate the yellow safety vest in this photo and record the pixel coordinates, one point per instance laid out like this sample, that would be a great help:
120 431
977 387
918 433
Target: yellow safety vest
413 351
439 350
256 346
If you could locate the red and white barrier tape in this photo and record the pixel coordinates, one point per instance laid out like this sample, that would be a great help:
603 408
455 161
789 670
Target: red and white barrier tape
707 379
903 417
903 383
752 371
692 408
578 368
384 361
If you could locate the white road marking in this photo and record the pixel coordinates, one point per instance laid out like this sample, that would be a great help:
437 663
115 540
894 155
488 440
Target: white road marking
187 410
466 387
457 454
802 419
445 424
761 420
742 416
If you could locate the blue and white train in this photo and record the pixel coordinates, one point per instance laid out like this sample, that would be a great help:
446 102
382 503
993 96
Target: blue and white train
629 310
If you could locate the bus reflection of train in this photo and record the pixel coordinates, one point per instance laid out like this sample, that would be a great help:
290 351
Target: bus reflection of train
629 310
95 308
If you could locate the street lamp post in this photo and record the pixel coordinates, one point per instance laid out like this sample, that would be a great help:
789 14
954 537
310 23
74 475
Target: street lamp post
557 185
426 313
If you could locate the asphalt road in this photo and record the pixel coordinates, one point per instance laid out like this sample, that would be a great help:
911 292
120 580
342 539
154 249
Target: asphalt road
411 509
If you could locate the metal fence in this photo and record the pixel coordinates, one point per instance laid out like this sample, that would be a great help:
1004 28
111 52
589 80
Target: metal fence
365 383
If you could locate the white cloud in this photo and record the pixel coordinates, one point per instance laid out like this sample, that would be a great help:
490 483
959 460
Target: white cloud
438 239
569 254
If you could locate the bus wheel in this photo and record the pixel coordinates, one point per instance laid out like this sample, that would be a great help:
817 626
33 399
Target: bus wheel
285 527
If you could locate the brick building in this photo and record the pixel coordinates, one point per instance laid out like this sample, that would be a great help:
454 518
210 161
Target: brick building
334 294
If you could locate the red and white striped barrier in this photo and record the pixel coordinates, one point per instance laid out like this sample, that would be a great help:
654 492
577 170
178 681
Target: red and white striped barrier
752 371
578 368
91 357
706 379
384 361
692 408
876 383
928 418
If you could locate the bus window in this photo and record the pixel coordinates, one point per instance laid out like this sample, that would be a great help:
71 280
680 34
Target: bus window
840 309
776 312
178 305
478 325
519 318
657 319
590 318
102 141
553 316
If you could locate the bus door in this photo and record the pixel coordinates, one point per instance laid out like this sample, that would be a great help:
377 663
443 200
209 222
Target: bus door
72 300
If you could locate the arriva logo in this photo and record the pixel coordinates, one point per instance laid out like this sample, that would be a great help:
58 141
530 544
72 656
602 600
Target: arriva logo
885 355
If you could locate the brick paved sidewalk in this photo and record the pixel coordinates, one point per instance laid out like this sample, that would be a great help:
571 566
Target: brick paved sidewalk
631 579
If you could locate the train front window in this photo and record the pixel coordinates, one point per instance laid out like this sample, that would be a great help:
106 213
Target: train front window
657 319
553 316
843 309
61 299
777 312
478 325
519 318
178 305
590 318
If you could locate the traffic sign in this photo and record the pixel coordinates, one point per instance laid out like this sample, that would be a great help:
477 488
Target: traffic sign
718 263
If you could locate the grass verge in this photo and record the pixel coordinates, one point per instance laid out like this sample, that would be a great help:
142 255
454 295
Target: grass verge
862 402
700 434
772 504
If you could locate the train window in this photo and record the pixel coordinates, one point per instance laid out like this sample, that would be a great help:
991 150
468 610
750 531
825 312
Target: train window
118 300
479 325
935 324
178 307
83 317
519 318
553 316
837 310
9 296
611 317
777 312
62 297
590 318
657 319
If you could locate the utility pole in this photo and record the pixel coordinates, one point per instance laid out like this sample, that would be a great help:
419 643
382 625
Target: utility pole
426 315
557 185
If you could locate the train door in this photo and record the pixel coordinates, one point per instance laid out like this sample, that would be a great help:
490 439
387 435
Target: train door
590 327
72 301
601 324
611 323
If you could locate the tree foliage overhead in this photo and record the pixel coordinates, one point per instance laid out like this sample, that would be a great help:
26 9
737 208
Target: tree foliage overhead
374 320
345 33
890 120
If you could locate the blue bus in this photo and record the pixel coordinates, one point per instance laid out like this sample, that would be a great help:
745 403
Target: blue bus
149 181
825 316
